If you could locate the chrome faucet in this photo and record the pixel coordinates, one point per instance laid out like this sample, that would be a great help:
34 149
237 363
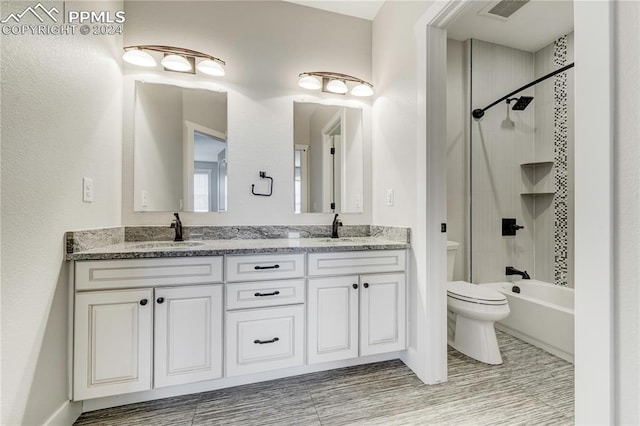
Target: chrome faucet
177 224
510 270
334 226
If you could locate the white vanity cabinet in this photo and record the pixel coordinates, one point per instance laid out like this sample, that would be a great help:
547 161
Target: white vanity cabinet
140 324
359 314
264 321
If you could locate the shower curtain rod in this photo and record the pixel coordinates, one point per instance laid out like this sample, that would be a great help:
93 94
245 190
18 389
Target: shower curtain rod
478 113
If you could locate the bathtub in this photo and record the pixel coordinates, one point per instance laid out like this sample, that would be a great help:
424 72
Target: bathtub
541 314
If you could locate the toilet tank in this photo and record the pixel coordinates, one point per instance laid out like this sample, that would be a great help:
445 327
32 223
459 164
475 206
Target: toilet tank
452 250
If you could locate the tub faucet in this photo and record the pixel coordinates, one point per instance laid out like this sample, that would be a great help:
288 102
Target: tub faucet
334 226
510 270
177 225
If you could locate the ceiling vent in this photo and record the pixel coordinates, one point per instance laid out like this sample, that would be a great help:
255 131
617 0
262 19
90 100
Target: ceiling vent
502 10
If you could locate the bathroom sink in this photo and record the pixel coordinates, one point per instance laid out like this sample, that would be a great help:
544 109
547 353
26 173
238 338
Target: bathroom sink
334 240
167 244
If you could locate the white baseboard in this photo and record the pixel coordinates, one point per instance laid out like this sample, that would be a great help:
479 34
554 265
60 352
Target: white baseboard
68 413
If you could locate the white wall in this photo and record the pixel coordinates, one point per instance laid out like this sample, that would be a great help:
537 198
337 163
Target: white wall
205 108
353 170
265 45
61 120
317 121
158 133
457 154
399 162
627 211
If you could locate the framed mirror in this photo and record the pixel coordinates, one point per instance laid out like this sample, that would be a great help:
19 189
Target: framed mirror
328 158
180 149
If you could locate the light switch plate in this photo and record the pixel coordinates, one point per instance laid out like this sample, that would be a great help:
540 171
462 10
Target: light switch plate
389 197
87 190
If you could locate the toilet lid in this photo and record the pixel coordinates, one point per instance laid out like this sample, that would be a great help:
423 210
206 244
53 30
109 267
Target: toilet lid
474 293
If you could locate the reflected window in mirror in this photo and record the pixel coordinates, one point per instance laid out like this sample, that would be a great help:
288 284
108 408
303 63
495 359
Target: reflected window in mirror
180 149
328 159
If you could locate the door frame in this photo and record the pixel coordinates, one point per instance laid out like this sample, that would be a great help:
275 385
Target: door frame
593 221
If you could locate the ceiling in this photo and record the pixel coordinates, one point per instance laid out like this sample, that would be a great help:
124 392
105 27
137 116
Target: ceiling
365 9
531 28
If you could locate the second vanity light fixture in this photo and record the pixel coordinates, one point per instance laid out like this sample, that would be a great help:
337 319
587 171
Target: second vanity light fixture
175 59
334 82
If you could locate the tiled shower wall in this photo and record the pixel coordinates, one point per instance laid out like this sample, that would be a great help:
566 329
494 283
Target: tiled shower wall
500 143
554 141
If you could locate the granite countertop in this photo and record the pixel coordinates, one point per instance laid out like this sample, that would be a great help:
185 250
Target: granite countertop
154 249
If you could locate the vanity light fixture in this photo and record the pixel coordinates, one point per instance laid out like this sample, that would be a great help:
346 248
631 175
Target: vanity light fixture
175 59
337 86
176 63
334 83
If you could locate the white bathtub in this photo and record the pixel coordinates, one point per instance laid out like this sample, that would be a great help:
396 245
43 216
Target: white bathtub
541 314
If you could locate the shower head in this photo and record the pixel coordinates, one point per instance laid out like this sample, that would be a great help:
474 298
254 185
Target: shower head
521 103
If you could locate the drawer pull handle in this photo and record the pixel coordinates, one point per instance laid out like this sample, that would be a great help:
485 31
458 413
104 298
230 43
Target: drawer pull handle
262 342
365 285
355 286
160 300
275 293
267 267
144 302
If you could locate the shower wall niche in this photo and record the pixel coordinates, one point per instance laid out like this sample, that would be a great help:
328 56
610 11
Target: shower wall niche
514 163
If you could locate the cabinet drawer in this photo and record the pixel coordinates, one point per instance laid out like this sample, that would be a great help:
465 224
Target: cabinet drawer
262 294
356 262
265 267
264 339
132 273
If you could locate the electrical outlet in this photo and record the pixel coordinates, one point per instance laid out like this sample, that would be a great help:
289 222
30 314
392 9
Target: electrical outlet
87 190
389 197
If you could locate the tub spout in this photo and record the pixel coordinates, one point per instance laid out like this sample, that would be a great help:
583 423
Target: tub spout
510 270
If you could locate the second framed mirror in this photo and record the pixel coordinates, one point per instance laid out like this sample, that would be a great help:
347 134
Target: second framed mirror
328 158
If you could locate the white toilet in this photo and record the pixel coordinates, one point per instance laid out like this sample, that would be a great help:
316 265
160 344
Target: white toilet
472 310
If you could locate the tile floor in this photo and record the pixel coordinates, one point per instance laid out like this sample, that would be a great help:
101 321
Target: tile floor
531 387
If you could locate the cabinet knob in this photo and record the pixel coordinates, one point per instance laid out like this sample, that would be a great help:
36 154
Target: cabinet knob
355 286
160 300
365 285
144 302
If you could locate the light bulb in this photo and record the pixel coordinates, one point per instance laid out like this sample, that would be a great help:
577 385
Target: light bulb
139 57
362 89
337 86
176 63
210 67
310 82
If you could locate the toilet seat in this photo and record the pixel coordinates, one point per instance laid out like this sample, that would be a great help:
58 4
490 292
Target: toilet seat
472 293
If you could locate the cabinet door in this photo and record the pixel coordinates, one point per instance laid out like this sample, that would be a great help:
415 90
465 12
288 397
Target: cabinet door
332 319
188 335
112 343
382 313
